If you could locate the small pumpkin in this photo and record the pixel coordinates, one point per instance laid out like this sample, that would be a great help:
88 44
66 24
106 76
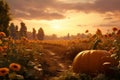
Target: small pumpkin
93 61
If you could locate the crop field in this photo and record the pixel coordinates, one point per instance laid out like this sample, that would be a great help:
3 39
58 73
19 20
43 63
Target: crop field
53 59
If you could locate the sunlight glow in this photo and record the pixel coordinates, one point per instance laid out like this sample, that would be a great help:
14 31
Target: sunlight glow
55 26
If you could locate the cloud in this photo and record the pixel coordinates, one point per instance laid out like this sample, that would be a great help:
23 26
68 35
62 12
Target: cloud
115 22
34 9
108 18
101 6
107 5
81 25
56 9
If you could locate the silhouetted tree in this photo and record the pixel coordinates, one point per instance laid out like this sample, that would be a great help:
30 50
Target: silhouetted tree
34 33
54 36
4 17
17 32
68 36
23 30
40 34
12 30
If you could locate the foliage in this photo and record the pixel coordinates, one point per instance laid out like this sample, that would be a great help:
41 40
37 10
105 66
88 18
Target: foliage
70 75
13 31
21 59
76 46
4 17
23 30
34 33
40 34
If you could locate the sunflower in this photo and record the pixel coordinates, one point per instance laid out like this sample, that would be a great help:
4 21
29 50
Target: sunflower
98 32
114 29
4 71
15 66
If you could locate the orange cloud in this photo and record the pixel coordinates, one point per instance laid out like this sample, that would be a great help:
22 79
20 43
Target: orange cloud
56 9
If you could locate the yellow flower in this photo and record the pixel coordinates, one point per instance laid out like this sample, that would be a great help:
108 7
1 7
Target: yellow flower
15 66
12 75
4 71
1 41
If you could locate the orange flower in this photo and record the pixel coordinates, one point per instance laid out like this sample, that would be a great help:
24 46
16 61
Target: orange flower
15 66
114 29
106 35
118 32
86 31
2 34
98 32
4 71
1 49
24 40
110 35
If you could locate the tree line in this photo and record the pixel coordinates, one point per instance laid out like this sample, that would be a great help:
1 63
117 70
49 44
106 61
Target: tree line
12 30
22 32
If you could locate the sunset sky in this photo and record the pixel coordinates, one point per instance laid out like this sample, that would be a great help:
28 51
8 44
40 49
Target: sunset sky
66 16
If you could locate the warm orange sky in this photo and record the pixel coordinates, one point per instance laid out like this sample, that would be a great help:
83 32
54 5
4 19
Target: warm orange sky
66 16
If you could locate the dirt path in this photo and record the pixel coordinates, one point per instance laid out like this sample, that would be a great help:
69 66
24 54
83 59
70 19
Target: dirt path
56 60
59 61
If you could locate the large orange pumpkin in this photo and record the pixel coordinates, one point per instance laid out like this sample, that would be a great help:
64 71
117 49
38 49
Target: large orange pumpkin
93 61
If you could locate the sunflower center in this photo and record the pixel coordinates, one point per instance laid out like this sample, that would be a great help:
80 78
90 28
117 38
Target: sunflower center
3 71
15 66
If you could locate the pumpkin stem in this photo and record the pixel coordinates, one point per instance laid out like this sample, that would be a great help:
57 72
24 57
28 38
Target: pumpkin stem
96 43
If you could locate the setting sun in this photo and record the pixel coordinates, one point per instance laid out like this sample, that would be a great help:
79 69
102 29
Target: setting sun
57 27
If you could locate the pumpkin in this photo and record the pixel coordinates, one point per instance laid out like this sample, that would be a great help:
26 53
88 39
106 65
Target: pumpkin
93 61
